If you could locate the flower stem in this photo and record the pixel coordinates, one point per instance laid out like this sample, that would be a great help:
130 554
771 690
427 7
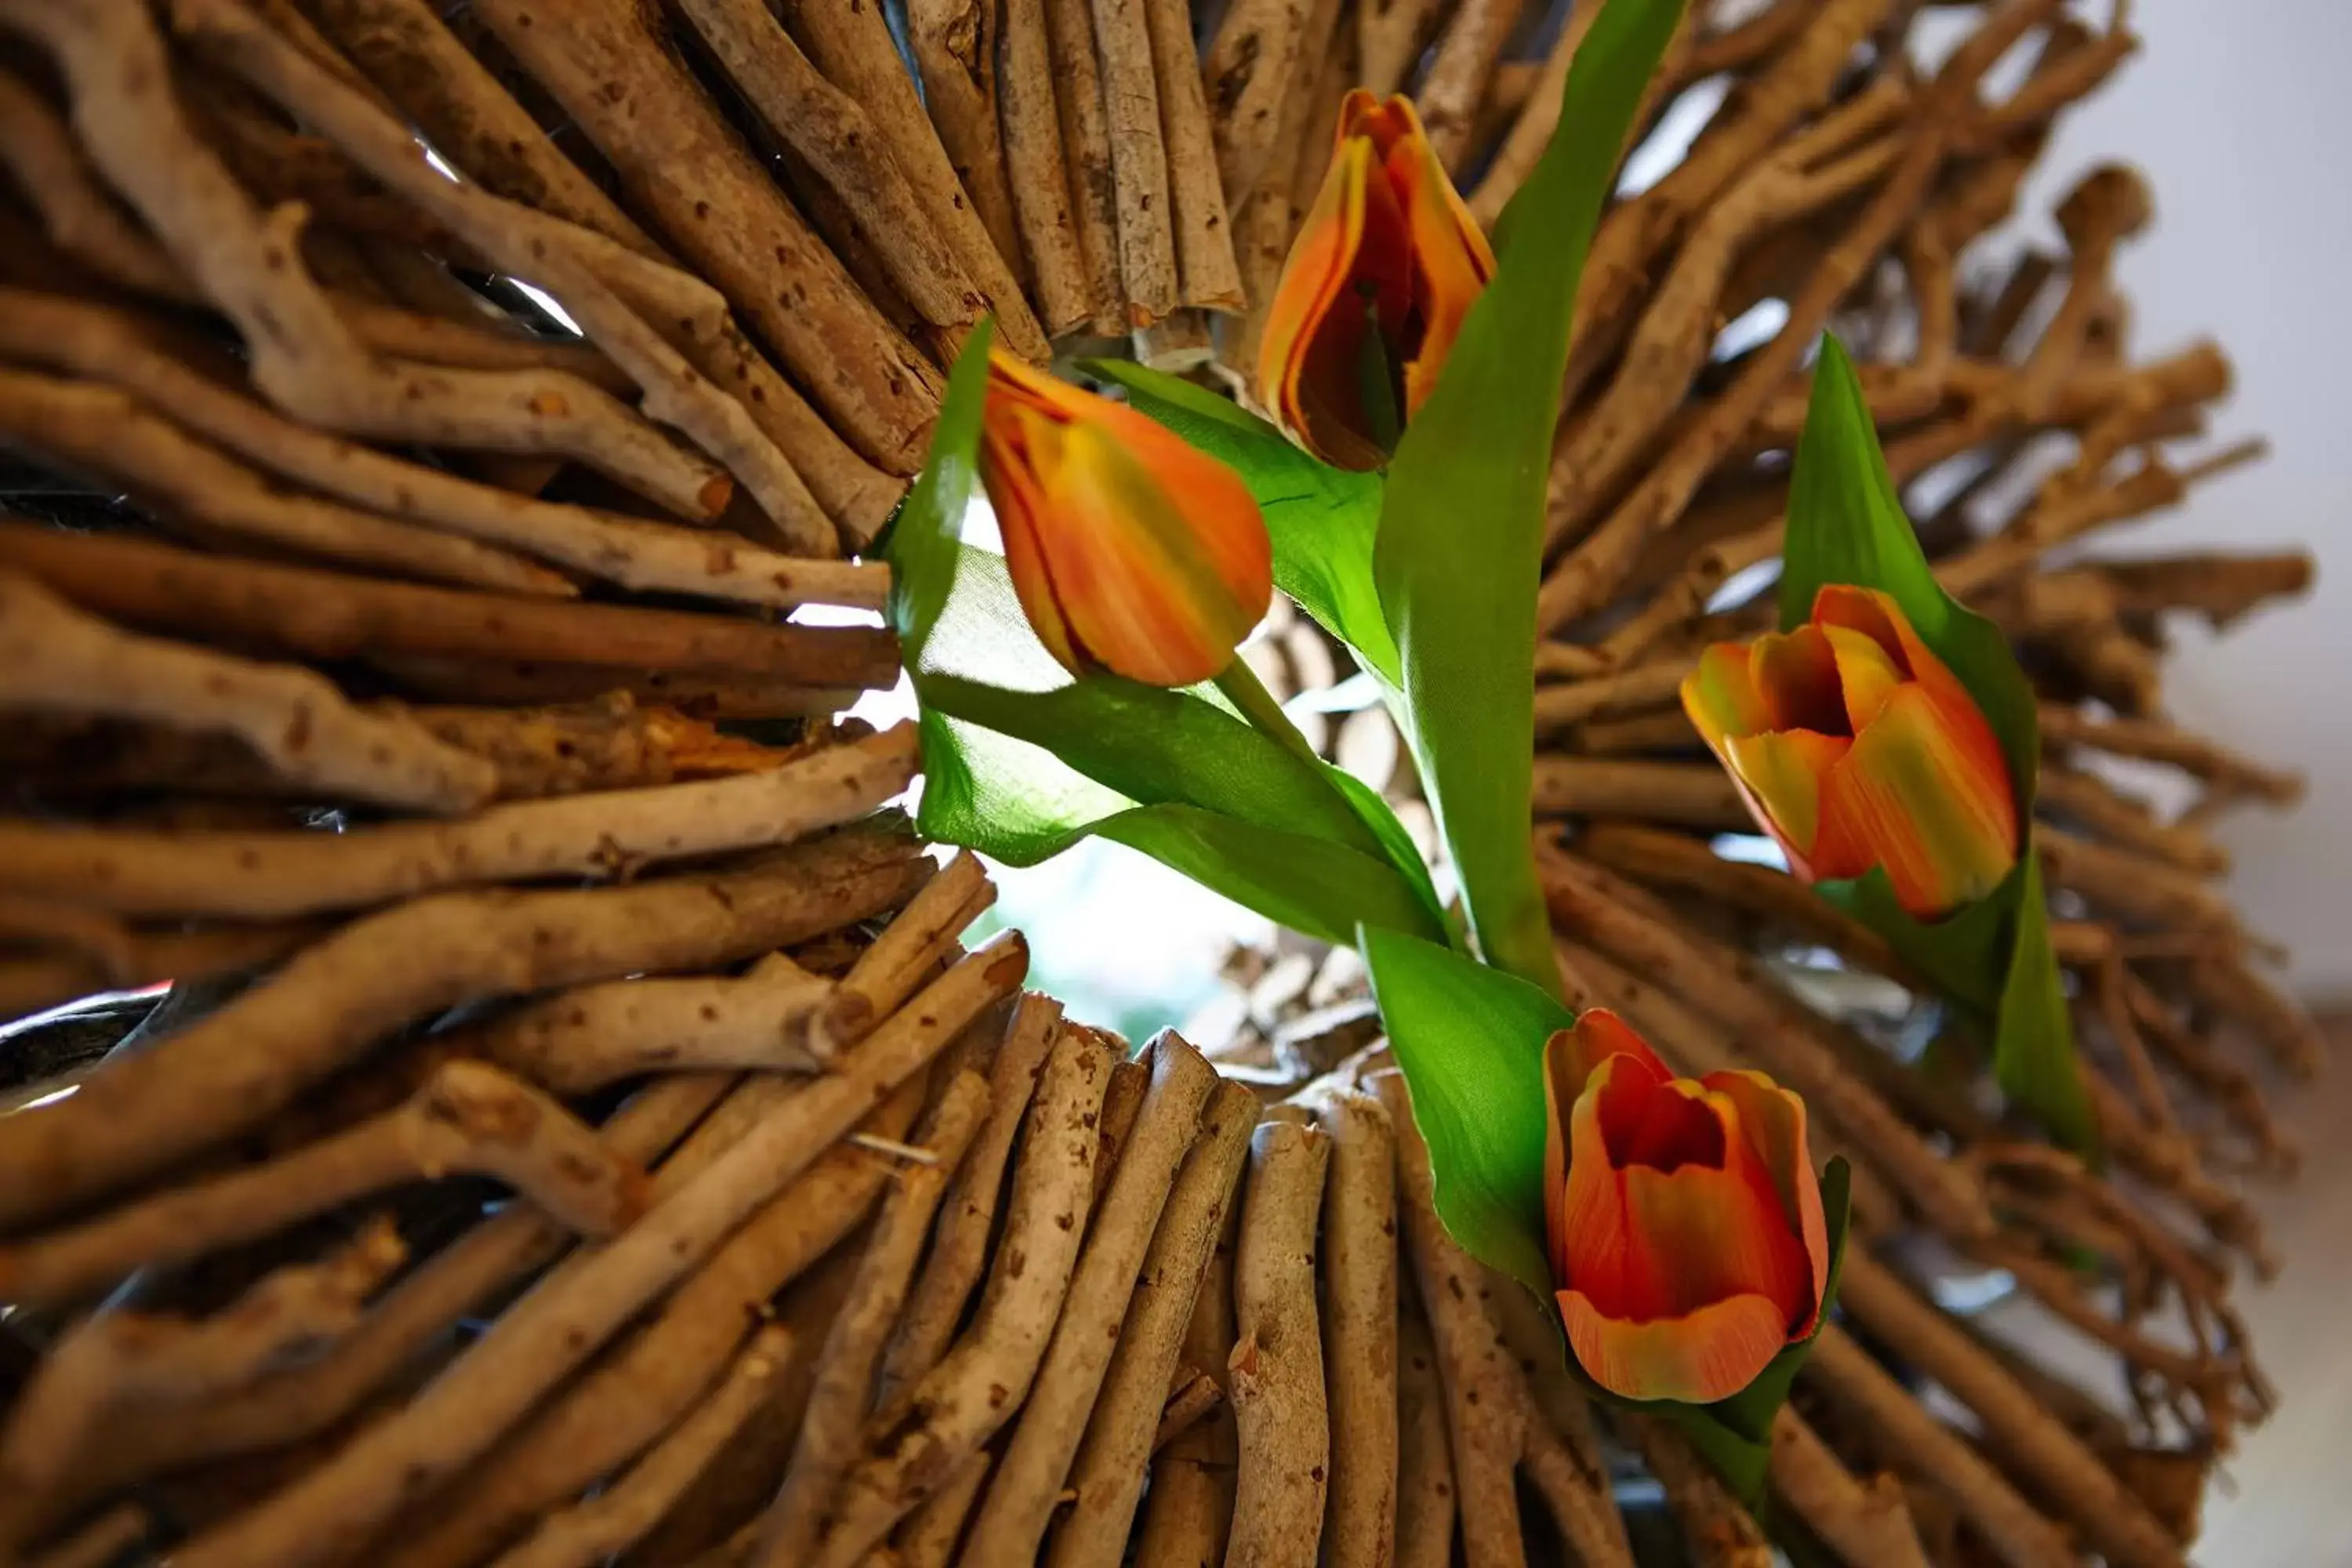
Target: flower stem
1241 684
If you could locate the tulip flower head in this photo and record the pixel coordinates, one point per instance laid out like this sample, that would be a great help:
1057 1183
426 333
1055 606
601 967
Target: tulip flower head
1855 746
1688 1242
1130 550
1384 269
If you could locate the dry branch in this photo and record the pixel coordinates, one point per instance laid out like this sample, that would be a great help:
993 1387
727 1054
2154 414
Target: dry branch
232 1069
958 1255
1277 1365
328 616
111 346
1038 169
498 1378
81 217
1359 1342
955 50
1248 71
265 875
468 1118
1021 1497
1481 1418
851 45
915 1444
853 1346
55 659
624 85
591 1533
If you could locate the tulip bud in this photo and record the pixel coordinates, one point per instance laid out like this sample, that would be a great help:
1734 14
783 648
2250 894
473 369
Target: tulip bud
1855 746
1375 289
1130 550
1688 1243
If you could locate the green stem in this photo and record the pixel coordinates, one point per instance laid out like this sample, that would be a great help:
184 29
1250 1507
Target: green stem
1242 687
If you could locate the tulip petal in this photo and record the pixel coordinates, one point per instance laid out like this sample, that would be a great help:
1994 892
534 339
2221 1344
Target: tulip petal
1721 696
1010 443
1780 772
1139 591
1798 677
1865 610
1926 794
1867 674
1771 1125
1350 266
1451 261
1698 1358
1658 1132
1598 1035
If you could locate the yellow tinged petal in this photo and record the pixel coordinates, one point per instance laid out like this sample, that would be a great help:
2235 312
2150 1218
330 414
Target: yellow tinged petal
1925 797
1781 772
1720 695
1867 676
1798 675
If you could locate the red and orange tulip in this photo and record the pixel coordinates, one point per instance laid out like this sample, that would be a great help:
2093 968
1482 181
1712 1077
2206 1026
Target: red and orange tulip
1388 257
1688 1243
1130 550
1855 746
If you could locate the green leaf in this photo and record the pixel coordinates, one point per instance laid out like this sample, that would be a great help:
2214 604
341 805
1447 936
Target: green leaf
925 538
1460 532
1846 524
2033 1058
1013 802
1735 1435
1471 1041
1320 519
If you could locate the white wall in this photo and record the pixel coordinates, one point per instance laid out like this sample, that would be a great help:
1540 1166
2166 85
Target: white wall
2240 115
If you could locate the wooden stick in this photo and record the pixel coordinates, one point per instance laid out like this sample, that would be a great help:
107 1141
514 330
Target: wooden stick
1717 1532
1531 129
2066 1473
1695 795
1359 1327
1022 1495
591 1533
1086 155
54 658
955 47
234 1069
1425 1505
1138 154
916 1445
1209 277
81 217
468 1118
853 1346
1248 71
1482 1422
831 132
1038 170
264 876
329 616
406 50
99 431
1125 1428
1458 76
727 217
43 1478
851 45
958 1255
1278 1366
1866 1523
445 1425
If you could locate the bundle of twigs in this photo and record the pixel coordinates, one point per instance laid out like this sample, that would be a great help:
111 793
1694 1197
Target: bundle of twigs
572 1127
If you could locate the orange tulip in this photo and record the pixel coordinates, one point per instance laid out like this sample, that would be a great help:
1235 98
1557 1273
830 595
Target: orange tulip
1855 746
1688 1242
1389 259
1130 549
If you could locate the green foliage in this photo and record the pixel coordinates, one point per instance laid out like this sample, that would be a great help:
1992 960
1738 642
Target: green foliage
1846 524
1471 1042
1460 546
